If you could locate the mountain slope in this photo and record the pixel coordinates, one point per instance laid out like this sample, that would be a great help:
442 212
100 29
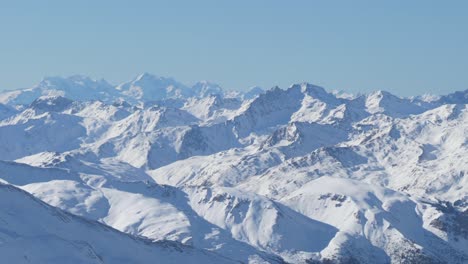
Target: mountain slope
53 236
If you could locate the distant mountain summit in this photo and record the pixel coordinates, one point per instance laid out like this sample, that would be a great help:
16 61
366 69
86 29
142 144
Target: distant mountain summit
205 88
76 87
143 88
147 87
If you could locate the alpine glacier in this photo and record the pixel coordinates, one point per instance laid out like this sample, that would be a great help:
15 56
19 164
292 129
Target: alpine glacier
156 171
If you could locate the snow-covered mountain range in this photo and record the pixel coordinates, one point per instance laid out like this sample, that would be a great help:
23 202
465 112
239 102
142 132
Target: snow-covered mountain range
155 171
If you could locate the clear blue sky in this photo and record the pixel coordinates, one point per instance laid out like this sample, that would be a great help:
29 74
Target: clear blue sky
405 47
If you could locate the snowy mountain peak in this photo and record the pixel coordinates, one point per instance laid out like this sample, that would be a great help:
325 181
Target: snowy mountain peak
459 97
205 88
74 82
389 104
145 76
319 93
78 78
148 87
51 103
253 92
310 88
